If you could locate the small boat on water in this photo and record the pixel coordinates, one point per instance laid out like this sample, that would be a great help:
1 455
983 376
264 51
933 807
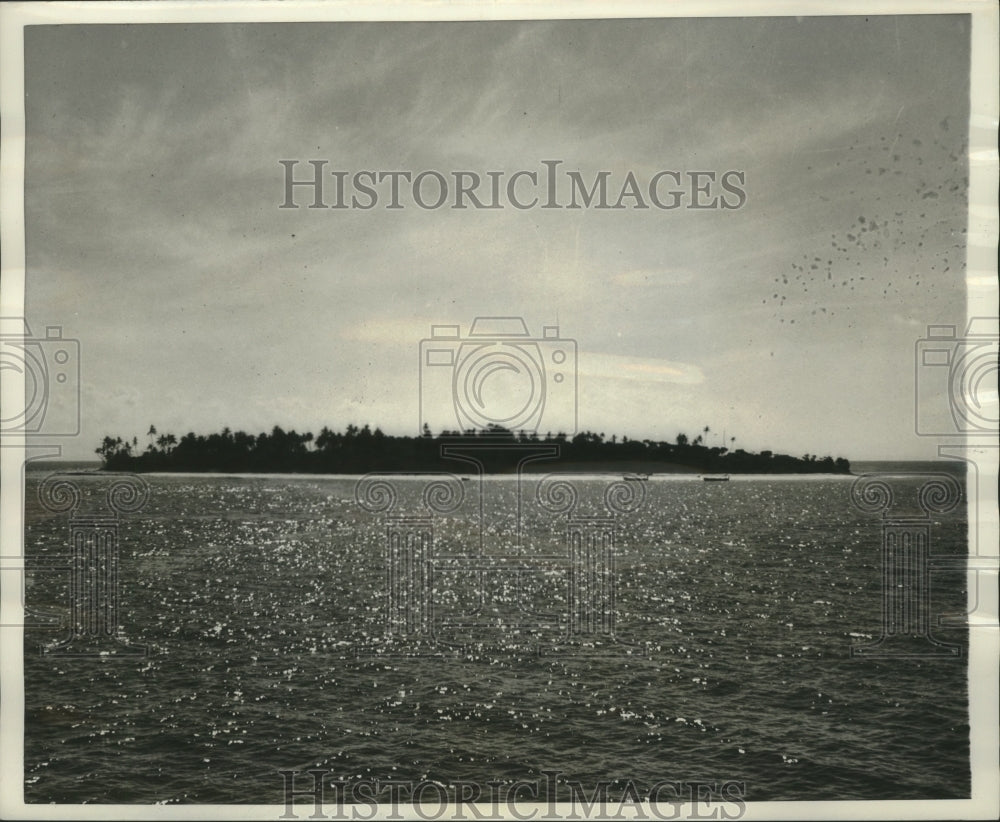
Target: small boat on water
635 477
715 477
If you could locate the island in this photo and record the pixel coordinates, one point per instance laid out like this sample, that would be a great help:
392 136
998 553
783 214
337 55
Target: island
361 450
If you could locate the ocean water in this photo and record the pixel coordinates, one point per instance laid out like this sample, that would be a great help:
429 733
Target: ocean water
262 606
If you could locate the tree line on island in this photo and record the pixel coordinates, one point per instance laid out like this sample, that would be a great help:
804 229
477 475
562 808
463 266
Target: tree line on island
363 450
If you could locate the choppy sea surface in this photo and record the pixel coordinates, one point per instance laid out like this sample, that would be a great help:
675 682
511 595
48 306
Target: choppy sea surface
261 603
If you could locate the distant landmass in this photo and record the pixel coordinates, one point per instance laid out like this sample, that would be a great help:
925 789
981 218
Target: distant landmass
363 450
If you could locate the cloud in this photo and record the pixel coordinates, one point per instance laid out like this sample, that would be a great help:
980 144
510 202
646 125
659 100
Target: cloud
640 369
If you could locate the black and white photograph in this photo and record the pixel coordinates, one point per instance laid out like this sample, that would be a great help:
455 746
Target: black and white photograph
499 411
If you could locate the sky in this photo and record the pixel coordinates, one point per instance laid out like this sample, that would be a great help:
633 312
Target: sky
155 237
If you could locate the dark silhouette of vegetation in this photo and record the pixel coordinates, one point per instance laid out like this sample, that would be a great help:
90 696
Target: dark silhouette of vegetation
361 450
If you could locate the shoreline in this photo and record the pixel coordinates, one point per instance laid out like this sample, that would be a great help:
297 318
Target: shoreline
414 475
656 472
